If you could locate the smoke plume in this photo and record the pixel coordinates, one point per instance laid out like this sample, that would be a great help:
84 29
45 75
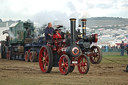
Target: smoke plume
51 16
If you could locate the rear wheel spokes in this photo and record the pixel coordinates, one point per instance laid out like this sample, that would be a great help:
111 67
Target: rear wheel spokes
45 59
96 55
95 52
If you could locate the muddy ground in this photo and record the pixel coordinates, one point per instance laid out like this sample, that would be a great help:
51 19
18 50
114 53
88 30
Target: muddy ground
15 72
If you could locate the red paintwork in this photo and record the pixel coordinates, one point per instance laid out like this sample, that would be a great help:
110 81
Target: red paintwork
63 64
26 56
82 64
43 60
59 46
96 37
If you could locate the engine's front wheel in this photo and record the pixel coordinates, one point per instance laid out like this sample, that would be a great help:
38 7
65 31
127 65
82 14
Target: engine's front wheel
64 64
83 64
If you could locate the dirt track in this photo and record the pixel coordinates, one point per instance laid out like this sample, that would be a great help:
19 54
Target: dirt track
15 72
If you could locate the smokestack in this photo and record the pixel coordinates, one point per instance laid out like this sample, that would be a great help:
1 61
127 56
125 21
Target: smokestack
72 28
84 27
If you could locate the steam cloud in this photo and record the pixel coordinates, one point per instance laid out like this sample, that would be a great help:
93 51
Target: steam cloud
51 16
57 17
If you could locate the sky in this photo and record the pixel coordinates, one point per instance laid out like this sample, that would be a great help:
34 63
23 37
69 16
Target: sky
43 11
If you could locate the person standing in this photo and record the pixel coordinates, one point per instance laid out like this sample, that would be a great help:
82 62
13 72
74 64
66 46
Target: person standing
122 48
49 31
106 47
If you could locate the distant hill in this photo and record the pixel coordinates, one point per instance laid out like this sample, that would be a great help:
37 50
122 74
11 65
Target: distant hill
104 21
91 22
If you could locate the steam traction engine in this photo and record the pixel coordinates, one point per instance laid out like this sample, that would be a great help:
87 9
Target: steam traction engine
71 51
21 42
68 55
85 43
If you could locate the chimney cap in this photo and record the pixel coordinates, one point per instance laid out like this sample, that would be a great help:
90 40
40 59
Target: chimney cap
83 20
73 19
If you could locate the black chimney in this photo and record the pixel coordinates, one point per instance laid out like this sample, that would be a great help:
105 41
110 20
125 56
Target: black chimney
84 28
72 28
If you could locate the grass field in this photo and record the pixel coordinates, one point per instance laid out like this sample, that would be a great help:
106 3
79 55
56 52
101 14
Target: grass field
111 71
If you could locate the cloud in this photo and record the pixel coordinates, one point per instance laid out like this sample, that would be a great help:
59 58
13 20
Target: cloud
125 5
24 9
104 6
13 10
71 6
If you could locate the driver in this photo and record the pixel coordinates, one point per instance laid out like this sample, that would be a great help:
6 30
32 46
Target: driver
49 31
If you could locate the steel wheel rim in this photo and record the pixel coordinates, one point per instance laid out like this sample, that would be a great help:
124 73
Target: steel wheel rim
43 59
96 55
82 64
63 65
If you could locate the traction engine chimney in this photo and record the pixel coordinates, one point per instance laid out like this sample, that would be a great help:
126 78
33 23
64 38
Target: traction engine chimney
72 28
84 28
73 50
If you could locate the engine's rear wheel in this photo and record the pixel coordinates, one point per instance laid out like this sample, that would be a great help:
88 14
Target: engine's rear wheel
96 55
45 59
64 64
83 64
